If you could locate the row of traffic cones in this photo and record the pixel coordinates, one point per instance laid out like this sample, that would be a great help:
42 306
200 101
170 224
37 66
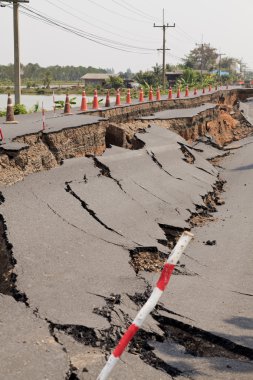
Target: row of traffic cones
10 118
95 103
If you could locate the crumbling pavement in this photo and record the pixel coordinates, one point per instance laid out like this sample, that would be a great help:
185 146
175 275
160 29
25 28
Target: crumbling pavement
71 236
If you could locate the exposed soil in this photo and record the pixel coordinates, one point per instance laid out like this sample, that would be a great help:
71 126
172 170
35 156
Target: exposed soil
147 261
44 152
204 214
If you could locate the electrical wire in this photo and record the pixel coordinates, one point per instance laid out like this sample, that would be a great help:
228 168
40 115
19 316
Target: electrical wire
90 23
128 31
185 35
89 36
141 11
130 9
116 13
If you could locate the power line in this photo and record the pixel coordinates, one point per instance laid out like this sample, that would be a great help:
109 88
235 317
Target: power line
132 9
116 13
89 36
103 22
141 11
85 20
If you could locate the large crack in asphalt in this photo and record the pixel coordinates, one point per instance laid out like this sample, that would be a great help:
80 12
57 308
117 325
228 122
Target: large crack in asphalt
158 163
195 341
188 156
74 225
198 342
105 170
211 200
88 209
8 278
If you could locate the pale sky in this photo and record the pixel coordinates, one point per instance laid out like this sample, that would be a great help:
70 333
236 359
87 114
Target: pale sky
127 24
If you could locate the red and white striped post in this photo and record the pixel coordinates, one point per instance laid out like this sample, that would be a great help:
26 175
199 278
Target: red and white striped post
149 305
43 118
54 107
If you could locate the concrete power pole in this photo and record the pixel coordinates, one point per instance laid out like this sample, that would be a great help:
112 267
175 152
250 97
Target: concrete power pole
164 44
17 78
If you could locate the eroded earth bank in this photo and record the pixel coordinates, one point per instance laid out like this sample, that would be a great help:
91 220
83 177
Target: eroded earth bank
89 211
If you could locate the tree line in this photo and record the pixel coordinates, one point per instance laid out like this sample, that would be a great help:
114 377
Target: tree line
34 72
203 65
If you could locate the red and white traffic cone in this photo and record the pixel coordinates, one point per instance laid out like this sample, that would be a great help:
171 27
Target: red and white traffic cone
150 95
107 99
158 94
1 137
95 105
178 92
141 96
84 102
118 103
10 119
170 93
195 91
186 91
128 97
67 110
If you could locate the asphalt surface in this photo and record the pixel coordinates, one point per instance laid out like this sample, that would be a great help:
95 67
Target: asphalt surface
179 113
71 230
32 123
72 254
219 298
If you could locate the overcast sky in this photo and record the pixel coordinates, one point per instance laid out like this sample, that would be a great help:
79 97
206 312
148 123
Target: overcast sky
128 25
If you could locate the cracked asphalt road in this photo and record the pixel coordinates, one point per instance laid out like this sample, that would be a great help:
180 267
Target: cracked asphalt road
72 252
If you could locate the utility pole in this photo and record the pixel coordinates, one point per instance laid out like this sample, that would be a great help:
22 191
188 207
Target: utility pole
164 44
17 78
202 45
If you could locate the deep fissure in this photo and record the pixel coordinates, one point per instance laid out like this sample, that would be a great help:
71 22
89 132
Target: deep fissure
88 209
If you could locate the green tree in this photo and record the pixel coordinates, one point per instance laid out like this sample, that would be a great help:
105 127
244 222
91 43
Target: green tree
202 57
150 78
47 79
115 82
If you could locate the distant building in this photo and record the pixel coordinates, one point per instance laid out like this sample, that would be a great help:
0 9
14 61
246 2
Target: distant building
95 79
172 76
130 83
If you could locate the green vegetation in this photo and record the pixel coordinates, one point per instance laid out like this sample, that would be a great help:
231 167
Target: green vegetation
34 74
200 67
59 104
114 82
19 109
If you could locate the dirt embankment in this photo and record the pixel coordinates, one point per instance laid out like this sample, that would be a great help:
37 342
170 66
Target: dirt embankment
46 151
226 127
222 124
